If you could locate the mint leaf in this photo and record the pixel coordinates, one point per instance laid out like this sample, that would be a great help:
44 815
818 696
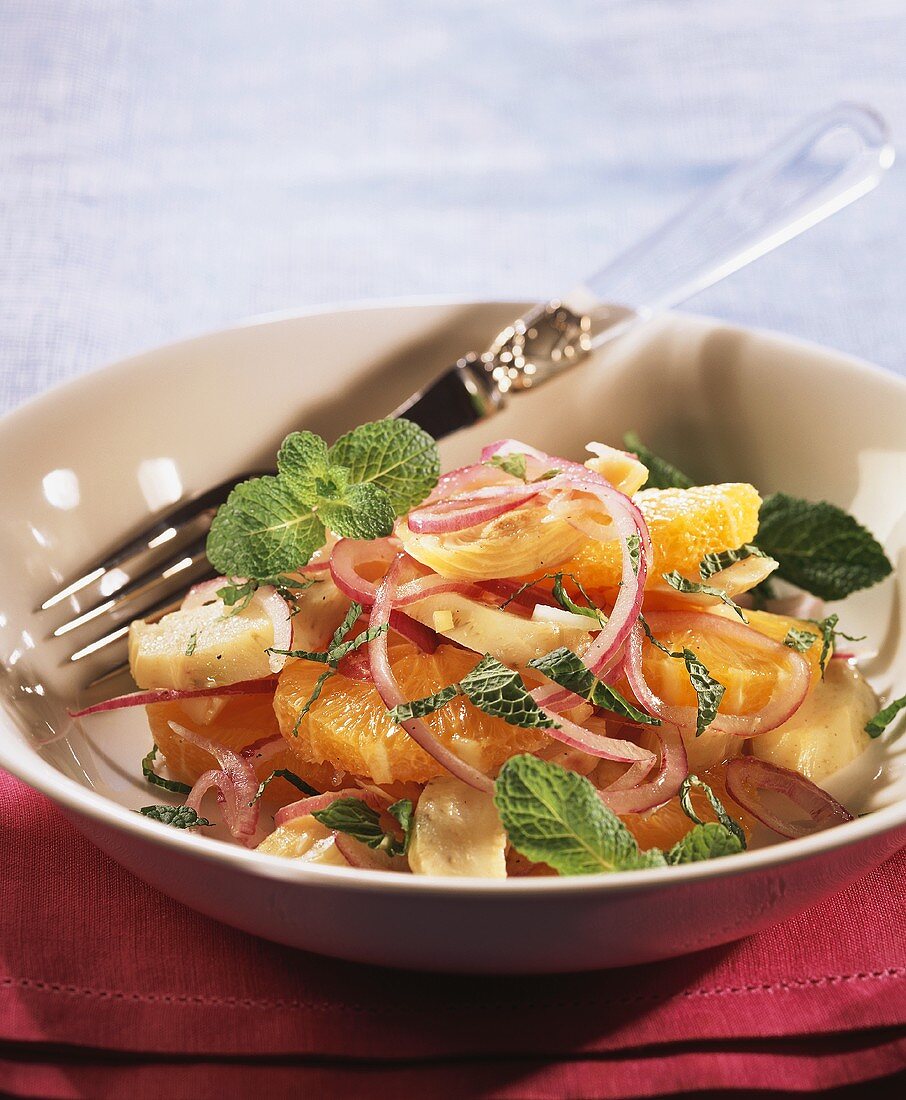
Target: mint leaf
312 699
800 640
555 816
708 691
716 563
403 812
661 474
396 456
180 817
192 643
290 777
303 466
564 599
820 548
418 708
876 726
719 809
634 546
829 634
237 596
566 669
152 777
358 820
263 528
349 620
707 841
682 584
511 464
358 512
499 691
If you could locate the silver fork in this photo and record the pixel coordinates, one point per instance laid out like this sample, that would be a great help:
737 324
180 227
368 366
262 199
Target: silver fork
824 164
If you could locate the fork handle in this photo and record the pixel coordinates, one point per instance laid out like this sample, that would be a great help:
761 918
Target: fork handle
821 166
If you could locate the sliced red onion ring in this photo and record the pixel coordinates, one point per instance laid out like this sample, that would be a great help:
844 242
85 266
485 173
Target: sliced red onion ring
264 749
469 479
460 513
666 783
389 689
783 703
595 744
171 695
364 858
240 787
748 778
510 591
348 555
537 462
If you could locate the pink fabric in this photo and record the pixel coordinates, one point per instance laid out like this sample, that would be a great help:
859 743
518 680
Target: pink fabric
108 988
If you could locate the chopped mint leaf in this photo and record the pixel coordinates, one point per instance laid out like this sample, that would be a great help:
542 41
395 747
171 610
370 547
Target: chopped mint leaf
829 635
719 809
313 698
180 817
820 547
403 812
358 820
708 841
554 816
717 563
338 652
237 596
682 584
566 669
290 777
634 545
499 691
418 708
800 640
511 464
661 474
395 456
152 777
568 604
349 620
876 726
192 643
707 690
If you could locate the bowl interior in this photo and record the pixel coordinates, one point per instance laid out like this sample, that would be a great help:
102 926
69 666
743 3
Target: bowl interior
93 460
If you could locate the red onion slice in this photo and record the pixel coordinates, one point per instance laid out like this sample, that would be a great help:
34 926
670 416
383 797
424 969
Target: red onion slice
595 744
783 703
172 695
666 783
348 555
454 514
240 787
749 778
389 689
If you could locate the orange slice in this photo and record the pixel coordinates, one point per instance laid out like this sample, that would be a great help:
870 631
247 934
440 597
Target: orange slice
348 725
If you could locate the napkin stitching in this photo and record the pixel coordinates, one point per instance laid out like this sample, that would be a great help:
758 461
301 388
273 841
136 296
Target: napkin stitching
248 1002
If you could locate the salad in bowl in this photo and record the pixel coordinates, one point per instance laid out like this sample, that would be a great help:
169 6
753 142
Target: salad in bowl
525 666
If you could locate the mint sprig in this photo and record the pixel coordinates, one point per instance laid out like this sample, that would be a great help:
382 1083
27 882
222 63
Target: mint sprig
566 669
682 584
180 817
820 547
876 726
272 525
358 820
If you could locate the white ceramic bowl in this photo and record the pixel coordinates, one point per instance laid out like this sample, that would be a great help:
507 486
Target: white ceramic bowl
94 458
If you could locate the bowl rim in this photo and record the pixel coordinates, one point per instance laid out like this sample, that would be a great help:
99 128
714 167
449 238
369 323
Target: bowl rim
29 766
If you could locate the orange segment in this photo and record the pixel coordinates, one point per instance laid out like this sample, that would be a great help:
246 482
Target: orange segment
750 677
242 720
663 827
685 525
348 725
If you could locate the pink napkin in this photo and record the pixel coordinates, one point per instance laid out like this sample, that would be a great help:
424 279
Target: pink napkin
109 989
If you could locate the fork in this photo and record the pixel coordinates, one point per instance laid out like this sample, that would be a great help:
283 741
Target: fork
818 168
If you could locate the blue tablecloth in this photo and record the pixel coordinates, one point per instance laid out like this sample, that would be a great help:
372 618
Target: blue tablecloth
167 168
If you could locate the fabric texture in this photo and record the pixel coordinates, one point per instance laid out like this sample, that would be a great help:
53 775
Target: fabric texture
105 982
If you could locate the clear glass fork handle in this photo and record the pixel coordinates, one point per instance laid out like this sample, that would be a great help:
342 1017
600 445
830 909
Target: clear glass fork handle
823 165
